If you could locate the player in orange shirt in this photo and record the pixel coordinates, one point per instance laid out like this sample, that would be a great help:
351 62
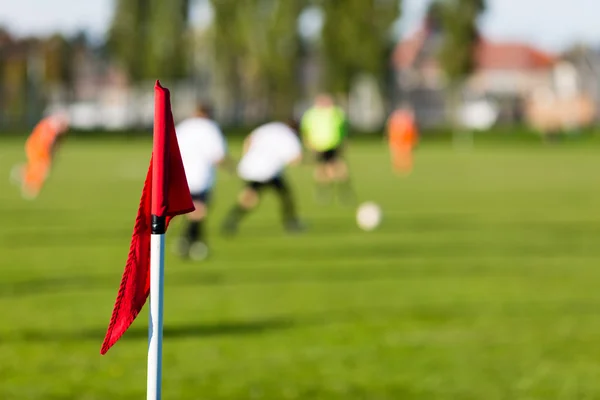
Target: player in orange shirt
40 149
402 133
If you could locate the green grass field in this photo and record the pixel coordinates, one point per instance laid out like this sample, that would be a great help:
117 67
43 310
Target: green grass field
482 283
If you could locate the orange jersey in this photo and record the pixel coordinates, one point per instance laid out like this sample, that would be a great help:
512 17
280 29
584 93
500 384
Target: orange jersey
402 129
43 136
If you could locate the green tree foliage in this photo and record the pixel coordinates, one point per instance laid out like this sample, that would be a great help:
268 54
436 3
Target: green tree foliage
168 53
461 35
457 20
256 46
228 49
356 39
148 38
5 41
273 45
58 57
129 35
22 76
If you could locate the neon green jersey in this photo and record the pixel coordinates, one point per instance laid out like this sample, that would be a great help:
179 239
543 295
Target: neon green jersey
324 128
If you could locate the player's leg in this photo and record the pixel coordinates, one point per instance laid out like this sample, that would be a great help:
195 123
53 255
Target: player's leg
34 177
323 177
393 149
31 178
341 175
192 242
17 172
289 214
402 159
247 200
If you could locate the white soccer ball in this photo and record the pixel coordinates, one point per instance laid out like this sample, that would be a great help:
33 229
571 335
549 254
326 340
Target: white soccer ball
368 216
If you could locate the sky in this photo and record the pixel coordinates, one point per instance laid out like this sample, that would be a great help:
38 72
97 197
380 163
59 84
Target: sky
550 24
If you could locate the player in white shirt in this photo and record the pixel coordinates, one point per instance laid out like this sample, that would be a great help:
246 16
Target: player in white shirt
267 151
202 147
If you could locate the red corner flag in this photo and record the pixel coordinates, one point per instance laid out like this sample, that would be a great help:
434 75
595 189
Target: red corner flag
165 194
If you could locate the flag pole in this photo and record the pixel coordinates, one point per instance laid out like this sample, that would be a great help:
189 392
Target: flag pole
158 228
166 194
155 324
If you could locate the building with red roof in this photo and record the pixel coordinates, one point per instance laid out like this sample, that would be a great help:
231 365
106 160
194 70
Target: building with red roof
508 71
503 67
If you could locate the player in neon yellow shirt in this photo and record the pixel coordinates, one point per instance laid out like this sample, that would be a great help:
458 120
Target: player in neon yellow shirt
324 132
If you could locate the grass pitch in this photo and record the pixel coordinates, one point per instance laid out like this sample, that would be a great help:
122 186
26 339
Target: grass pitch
482 283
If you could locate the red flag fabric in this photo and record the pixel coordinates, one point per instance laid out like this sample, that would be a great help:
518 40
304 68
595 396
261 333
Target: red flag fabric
165 194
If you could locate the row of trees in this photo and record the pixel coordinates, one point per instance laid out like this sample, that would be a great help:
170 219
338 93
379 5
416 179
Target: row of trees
259 40
457 20
29 68
253 49
257 50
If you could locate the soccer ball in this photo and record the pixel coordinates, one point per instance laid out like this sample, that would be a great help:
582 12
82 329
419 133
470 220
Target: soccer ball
368 216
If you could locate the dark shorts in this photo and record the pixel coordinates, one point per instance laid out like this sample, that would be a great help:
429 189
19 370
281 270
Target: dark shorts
328 155
277 183
203 197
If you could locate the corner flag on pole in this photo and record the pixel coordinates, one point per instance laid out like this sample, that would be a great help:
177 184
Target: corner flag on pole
165 195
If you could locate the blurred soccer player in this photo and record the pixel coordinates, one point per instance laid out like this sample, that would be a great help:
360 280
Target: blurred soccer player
202 147
324 129
402 136
267 151
40 148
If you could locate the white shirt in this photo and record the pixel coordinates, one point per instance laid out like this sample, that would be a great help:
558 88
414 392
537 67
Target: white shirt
272 147
202 145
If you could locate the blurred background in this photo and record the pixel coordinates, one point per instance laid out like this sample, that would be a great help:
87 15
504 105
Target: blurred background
471 62
480 283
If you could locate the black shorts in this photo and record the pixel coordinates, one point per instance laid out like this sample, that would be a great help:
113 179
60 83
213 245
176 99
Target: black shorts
277 183
328 155
203 197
